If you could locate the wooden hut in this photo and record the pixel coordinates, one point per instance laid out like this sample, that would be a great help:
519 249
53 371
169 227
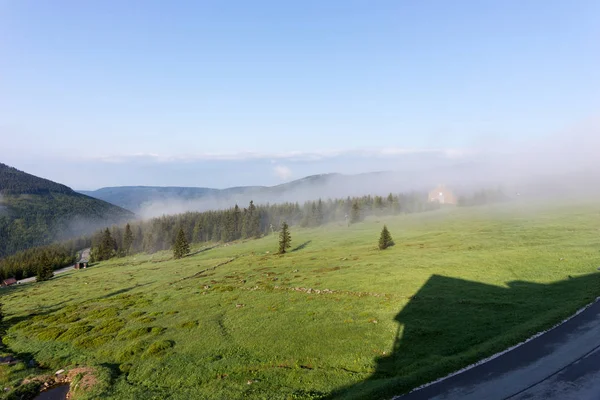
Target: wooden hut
9 282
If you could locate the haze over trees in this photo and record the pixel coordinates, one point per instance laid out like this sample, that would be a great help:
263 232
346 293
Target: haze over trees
355 213
36 211
482 197
236 223
201 227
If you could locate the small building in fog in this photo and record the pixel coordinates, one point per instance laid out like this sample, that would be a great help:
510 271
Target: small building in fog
442 195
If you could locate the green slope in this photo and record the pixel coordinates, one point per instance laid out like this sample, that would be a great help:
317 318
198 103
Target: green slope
336 317
35 211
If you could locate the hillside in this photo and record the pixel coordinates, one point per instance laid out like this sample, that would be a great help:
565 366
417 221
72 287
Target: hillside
36 211
334 318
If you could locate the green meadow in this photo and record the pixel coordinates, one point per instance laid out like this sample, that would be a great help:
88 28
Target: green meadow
334 318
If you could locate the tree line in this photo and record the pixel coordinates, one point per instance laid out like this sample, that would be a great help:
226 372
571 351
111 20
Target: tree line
227 225
249 222
28 263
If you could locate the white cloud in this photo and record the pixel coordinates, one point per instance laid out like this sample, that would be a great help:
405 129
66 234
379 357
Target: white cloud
282 172
292 156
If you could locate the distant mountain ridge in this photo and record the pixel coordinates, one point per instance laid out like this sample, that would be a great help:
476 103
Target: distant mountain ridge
35 211
149 201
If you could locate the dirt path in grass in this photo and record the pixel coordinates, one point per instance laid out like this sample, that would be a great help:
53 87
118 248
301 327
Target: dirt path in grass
563 363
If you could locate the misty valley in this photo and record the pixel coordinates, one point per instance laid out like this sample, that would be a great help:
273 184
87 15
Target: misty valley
310 200
327 298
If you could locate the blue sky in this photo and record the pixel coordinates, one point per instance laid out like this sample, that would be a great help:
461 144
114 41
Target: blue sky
212 93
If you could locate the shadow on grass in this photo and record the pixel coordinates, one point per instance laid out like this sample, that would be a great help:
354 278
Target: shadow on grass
302 246
451 323
202 250
121 291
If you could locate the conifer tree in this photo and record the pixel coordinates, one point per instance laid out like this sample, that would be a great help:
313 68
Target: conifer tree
285 238
127 239
355 213
107 246
237 223
385 239
320 216
197 234
251 224
44 271
181 246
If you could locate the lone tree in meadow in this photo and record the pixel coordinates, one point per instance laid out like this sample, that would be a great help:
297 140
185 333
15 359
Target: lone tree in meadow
385 239
181 247
285 239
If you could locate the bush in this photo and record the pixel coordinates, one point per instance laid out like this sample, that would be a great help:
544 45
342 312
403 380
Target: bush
113 325
134 333
131 351
188 324
159 347
74 333
50 333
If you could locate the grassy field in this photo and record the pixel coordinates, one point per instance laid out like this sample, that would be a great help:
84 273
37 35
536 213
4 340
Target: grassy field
334 318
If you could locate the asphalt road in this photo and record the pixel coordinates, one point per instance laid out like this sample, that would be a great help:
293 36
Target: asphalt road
85 257
563 363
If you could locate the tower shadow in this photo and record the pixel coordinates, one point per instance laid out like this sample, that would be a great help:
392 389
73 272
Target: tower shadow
451 323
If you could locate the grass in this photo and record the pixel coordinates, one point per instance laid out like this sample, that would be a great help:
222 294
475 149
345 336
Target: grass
336 318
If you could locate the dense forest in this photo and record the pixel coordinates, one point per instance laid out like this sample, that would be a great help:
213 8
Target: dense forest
13 181
252 221
36 211
25 264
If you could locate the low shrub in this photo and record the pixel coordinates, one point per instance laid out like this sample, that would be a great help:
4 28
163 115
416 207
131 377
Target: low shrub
159 347
134 333
50 333
74 333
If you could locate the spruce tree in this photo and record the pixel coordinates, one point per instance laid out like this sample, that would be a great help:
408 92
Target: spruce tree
44 273
385 239
127 239
44 270
254 220
237 223
107 246
355 213
197 234
285 239
320 216
181 246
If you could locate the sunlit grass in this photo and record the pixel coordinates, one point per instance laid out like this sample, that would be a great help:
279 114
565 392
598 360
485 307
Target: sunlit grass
316 320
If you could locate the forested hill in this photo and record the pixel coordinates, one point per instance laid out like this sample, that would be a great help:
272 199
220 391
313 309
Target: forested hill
13 181
156 201
36 211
